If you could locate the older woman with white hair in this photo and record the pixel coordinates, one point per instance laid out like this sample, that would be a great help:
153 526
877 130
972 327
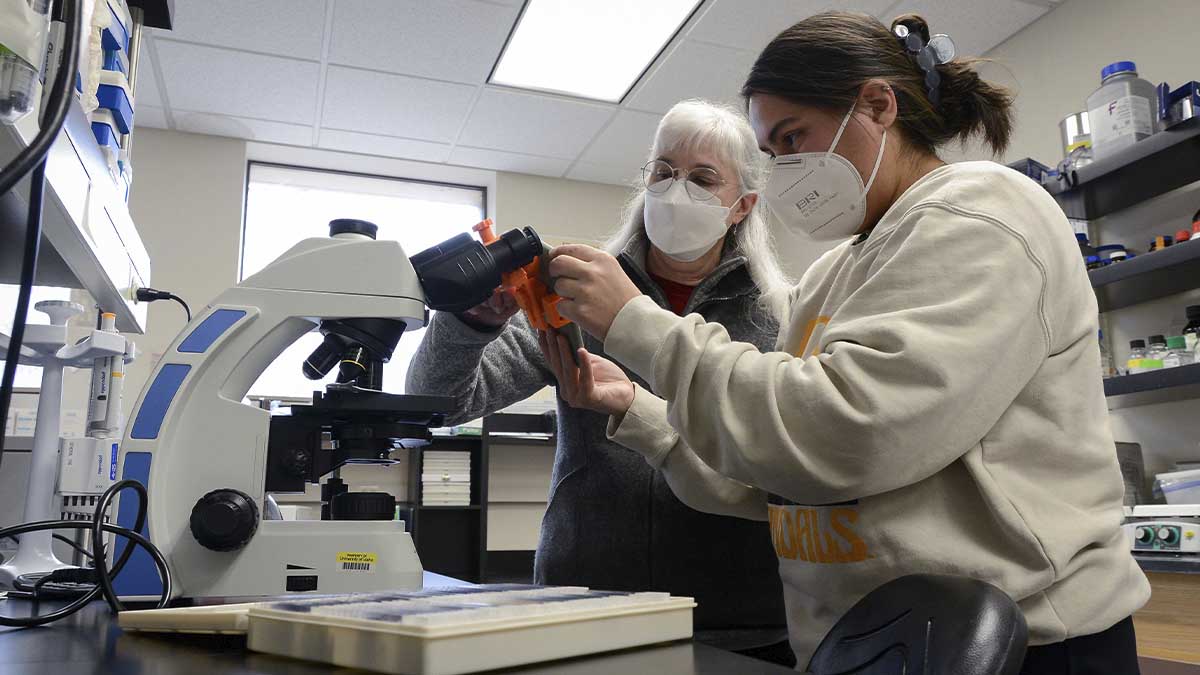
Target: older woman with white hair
694 239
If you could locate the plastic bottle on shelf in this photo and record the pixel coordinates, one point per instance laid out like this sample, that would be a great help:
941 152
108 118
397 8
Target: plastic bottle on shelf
1136 363
1191 332
1161 241
1107 368
24 30
1157 349
1122 111
1177 354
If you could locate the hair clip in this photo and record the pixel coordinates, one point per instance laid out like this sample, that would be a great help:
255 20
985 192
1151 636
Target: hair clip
939 51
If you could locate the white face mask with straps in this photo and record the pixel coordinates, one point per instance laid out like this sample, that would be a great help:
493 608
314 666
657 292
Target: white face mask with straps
821 194
681 227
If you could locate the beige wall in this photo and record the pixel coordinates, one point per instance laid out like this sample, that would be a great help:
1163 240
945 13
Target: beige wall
1054 63
187 204
560 210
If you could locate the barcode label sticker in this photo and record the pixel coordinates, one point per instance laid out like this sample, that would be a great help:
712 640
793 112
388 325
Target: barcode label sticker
355 561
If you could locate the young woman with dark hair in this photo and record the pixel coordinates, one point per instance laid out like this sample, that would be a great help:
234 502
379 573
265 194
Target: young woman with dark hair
934 404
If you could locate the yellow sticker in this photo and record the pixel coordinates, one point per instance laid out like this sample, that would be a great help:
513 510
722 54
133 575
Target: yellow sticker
357 561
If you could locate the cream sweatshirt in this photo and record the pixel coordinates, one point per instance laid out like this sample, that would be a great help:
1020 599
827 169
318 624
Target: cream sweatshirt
934 405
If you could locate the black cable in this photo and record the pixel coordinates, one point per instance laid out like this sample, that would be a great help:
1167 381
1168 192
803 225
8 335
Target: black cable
82 551
54 114
152 294
186 310
100 576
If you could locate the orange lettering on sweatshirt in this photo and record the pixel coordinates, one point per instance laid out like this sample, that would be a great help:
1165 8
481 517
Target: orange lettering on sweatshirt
840 520
802 533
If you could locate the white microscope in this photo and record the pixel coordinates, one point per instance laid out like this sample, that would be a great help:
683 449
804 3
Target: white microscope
208 460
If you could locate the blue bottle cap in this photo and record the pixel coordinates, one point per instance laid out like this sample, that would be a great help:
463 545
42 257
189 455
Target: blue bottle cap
1081 237
1091 259
1118 67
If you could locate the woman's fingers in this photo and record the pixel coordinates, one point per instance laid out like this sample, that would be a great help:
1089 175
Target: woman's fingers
581 251
568 288
587 379
565 266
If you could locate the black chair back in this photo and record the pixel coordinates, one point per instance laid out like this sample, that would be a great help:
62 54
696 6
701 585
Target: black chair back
926 624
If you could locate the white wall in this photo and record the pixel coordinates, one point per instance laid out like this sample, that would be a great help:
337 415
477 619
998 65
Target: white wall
1053 65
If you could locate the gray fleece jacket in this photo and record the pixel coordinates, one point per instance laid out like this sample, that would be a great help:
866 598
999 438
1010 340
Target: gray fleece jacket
612 521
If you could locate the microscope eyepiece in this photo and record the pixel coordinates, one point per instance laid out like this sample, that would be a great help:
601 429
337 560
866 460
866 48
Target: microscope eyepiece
462 272
352 226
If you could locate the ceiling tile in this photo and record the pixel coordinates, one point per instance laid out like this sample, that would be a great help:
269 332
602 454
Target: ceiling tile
285 27
251 130
146 89
221 81
509 161
394 105
751 25
612 174
384 146
624 142
533 124
975 25
694 70
151 116
457 40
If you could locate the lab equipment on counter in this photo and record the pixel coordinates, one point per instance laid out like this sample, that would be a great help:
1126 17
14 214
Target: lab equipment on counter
67 475
1169 528
439 631
208 460
1179 106
24 29
1123 110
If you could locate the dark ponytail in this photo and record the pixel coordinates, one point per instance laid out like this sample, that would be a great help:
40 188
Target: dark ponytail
825 59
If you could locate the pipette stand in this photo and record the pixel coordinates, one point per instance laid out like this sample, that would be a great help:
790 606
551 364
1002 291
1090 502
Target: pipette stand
47 346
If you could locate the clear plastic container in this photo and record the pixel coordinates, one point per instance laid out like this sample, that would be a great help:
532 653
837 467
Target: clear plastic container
1179 487
1157 349
1136 363
24 28
1107 368
1122 111
1177 353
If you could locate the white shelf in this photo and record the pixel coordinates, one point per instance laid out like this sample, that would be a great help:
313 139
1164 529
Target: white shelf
88 238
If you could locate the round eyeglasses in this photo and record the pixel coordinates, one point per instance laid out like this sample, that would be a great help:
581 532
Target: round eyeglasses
701 183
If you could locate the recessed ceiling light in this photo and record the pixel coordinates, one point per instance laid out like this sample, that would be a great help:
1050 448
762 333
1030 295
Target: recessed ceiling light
595 49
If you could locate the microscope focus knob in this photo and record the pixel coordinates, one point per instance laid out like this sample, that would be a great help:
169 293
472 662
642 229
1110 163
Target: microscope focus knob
224 520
